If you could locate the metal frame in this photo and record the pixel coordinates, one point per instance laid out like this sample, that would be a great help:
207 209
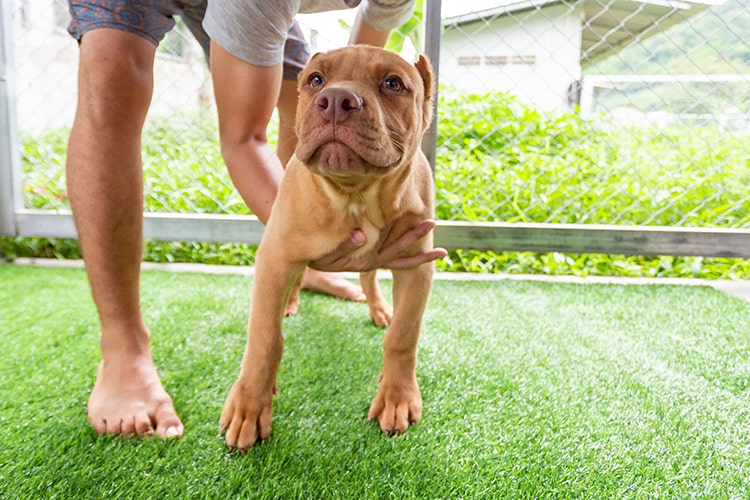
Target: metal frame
573 238
494 236
431 22
10 178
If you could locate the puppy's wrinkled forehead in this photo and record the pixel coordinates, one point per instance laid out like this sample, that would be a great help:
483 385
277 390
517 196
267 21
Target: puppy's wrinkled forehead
361 64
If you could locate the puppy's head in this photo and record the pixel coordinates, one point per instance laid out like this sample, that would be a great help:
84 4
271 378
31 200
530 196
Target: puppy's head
362 111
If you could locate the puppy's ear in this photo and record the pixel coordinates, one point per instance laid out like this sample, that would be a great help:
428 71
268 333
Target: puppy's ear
425 71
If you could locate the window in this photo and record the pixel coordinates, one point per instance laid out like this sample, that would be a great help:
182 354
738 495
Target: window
469 60
495 60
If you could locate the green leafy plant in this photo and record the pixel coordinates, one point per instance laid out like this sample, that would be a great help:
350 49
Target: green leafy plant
411 30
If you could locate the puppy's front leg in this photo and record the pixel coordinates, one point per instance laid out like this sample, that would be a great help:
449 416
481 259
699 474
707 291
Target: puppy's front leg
398 402
246 416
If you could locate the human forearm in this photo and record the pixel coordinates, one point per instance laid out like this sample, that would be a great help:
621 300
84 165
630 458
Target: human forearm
245 98
362 33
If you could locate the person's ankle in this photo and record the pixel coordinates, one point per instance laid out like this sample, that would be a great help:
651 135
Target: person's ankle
125 342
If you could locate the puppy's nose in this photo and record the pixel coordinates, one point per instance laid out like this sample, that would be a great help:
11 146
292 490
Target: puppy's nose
337 105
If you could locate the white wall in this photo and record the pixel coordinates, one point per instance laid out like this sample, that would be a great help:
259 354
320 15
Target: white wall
534 55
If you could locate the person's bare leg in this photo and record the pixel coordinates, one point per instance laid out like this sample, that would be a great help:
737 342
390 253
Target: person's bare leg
105 185
318 281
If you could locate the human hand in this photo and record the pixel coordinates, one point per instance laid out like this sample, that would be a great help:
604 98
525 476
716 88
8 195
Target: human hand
389 257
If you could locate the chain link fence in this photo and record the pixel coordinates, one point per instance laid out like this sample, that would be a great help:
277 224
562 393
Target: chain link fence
596 111
180 141
624 112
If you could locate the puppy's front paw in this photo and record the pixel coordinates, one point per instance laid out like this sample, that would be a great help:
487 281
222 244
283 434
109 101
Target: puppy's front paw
246 416
396 406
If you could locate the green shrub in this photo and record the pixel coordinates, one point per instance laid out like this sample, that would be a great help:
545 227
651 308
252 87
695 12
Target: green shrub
500 161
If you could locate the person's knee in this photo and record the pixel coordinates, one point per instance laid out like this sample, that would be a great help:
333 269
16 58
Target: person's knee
115 78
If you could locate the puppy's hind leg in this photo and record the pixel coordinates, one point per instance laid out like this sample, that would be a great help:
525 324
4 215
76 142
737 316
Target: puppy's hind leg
380 311
292 305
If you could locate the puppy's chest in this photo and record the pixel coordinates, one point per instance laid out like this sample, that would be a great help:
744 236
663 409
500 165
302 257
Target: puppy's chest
356 209
371 219
372 210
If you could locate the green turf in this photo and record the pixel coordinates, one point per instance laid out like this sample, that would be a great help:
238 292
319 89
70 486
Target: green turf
531 390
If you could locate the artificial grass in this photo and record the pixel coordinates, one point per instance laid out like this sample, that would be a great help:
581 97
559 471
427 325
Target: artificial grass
531 390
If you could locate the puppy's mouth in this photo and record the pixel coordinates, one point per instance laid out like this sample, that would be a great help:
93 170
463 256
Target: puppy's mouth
339 158
343 150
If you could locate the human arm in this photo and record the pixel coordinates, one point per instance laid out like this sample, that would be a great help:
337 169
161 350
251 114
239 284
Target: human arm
363 33
256 171
245 97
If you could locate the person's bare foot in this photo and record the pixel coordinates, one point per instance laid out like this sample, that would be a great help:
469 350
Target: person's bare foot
128 399
332 284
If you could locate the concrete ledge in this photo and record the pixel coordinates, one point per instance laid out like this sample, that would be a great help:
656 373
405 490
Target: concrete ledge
737 288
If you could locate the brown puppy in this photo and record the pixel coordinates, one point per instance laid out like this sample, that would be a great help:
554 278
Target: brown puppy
361 116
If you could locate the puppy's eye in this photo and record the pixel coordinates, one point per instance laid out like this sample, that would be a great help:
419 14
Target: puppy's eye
393 84
315 80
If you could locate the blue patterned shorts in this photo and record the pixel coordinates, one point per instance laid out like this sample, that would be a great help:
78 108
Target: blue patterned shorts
152 19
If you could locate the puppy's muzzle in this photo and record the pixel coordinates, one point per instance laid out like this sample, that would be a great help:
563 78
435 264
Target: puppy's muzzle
336 105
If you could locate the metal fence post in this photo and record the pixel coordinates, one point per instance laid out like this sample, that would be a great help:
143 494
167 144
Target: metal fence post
10 178
431 48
